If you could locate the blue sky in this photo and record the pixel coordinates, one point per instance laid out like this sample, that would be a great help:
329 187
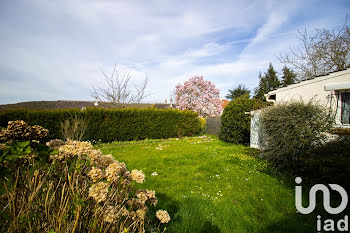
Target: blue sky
53 50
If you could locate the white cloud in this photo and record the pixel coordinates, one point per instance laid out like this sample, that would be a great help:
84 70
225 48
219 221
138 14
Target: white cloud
59 46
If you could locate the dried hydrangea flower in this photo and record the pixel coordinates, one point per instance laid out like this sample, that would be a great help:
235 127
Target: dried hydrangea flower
151 195
147 195
95 156
142 196
126 178
114 170
55 144
72 148
163 216
37 132
99 191
106 160
110 214
19 130
141 214
95 174
138 176
126 175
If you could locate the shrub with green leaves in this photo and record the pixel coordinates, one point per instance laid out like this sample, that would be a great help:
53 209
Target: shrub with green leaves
235 123
293 130
111 124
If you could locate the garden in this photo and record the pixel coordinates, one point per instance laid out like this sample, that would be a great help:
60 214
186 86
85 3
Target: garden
200 183
150 170
208 185
86 146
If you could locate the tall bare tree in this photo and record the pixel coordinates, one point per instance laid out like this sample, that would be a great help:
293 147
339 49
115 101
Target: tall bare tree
325 51
119 89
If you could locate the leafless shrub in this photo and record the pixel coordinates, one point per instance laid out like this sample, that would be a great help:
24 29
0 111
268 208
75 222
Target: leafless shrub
74 128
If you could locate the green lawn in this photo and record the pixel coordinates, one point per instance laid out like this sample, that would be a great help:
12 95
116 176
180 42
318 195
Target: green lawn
211 186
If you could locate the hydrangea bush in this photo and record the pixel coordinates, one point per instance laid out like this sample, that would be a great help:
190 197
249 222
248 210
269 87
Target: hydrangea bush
77 190
19 130
200 96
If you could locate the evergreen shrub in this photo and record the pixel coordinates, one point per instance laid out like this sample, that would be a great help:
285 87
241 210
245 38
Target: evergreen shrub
111 124
235 123
293 131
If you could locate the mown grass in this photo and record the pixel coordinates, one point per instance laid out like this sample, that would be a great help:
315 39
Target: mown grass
211 186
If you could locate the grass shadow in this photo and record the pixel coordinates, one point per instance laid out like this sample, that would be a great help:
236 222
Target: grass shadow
167 203
289 224
187 216
208 227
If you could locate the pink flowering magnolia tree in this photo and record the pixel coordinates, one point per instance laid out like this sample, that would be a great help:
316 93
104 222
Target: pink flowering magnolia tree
199 96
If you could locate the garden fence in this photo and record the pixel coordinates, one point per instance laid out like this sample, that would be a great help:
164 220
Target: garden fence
213 125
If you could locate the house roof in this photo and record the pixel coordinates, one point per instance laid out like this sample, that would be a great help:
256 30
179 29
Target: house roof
164 106
67 104
311 81
224 103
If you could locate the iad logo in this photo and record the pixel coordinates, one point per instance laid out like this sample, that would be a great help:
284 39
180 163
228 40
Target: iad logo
326 198
329 225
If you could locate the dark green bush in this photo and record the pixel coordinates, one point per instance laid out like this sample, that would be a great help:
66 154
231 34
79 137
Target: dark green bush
235 123
329 163
112 124
293 130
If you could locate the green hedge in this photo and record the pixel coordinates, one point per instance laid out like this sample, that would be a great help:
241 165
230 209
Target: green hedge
235 123
112 124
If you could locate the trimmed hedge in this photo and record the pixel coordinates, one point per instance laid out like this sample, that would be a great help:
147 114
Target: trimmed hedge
112 124
235 123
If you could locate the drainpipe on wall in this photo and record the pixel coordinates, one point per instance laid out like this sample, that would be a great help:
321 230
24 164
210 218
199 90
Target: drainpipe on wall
268 99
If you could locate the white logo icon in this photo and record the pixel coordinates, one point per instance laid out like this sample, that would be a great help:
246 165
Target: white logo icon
326 198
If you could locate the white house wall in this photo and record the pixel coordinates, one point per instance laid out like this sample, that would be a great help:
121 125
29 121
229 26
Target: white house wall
315 89
306 91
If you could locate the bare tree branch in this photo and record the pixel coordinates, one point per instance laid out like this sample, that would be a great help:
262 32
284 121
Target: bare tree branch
323 52
118 90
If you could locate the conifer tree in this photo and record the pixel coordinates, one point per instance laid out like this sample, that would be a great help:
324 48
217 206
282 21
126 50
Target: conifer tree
267 83
272 80
240 90
261 89
289 77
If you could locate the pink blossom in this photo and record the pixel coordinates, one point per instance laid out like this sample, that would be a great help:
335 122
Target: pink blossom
199 96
